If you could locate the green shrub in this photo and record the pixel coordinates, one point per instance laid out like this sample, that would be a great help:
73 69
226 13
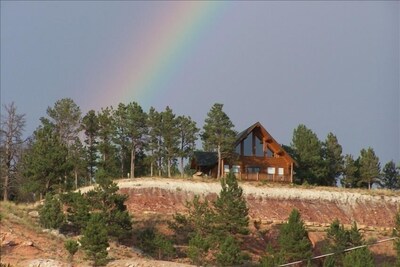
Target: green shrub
358 258
72 247
155 244
198 247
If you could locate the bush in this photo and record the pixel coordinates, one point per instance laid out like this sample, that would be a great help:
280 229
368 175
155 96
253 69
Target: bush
51 214
198 247
358 258
72 247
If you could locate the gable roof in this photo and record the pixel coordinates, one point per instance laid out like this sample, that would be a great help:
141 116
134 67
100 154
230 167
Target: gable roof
269 139
204 159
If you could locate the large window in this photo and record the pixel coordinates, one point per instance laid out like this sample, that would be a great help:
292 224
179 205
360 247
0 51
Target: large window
253 169
271 170
259 147
269 153
248 143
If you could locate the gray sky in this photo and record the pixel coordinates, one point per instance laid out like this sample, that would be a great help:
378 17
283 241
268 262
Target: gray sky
333 66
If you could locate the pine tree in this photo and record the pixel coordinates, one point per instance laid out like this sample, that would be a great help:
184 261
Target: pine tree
218 134
308 150
230 253
361 257
154 140
369 167
351 174
170 135
390 177
90 126
333 157
230 208
72 247
187 137
396 233
50 214
95 239
293 239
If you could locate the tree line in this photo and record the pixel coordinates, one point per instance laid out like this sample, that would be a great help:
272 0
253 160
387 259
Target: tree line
70 149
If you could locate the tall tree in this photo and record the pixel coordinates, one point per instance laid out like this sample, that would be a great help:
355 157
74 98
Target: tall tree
351 174
154 140
390 177
46 162
308 151
12 127
90 126
66 116
218 134
333 157
106 147
187 138
132 129
170 135
369 167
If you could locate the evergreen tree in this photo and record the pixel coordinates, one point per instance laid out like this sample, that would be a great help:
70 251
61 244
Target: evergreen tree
339 239
218 135
187 132
65 116
390 177
45 164
369 167
95 241
12 126
333 158
50 214
105 199
131 126
293 239
231 209
361 257
106 147
308 150
90 126
78 210
170 137
230 253
351 174
154 140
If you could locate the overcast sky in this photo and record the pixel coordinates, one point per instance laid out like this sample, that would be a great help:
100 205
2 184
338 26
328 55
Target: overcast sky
333 66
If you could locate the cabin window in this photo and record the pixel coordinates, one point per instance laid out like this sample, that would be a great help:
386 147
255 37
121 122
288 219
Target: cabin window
253 169
271 170
269 152
280 171
226 168
248 143
235 168
259 147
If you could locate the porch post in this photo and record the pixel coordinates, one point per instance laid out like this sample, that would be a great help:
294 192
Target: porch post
291 172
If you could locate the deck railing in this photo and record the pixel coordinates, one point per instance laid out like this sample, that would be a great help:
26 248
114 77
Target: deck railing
264 177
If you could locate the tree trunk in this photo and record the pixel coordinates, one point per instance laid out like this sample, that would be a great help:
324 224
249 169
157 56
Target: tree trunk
151 169
219 161
5 191
169 167
182 170
76 179
132 163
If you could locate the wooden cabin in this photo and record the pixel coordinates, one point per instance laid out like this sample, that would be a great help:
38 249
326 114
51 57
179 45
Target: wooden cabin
259 157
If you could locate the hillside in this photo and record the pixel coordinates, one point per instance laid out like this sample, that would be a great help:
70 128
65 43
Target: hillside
155 200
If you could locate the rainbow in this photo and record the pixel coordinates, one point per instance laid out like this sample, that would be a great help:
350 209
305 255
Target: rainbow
158 54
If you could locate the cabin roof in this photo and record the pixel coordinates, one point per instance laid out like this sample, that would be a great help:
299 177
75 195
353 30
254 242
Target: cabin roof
242 135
